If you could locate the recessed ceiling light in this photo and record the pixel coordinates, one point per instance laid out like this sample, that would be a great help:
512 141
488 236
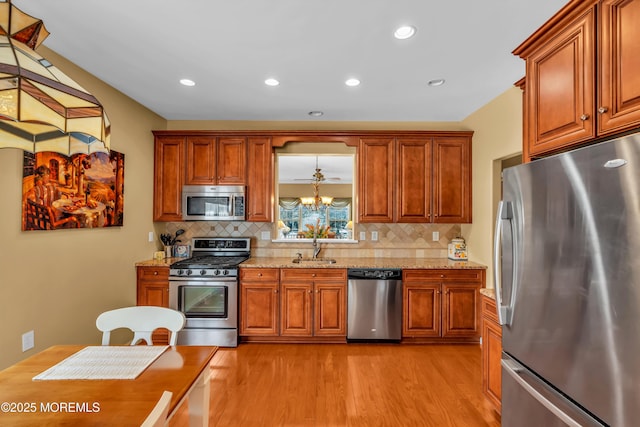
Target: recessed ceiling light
436 82
187 82
315 113
352 82
404 32
271 82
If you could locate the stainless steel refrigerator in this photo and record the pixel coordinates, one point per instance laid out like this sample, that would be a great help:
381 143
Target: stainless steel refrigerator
567 269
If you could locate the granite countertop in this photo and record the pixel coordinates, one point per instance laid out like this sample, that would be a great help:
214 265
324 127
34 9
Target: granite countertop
405 263
489 293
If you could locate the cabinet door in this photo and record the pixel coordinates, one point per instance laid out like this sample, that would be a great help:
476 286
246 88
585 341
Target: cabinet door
168 178
619 98
460 310
153 289
259 309
413 190
329 309
491 356
201 155
375 179
259 180
452 180
296 309
560 88
231 161
421 310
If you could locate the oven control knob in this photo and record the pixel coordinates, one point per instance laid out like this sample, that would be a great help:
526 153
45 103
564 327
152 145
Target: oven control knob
179 272
217 272
225 272
203 272
189 272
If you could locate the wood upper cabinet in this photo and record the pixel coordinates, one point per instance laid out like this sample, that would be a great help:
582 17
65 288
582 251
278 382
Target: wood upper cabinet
619 43
216 160
259 301
313 302
413 186
169 155
375 179
153 289
452 179
415 178
560 82
491 353
581 75
259 179
442 304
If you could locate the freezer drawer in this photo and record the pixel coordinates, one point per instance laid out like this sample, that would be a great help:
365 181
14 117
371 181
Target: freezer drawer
529 402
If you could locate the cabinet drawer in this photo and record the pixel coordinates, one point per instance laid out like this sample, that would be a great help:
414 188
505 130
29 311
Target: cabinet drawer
314 274
489 309
459 275
153 273
259 274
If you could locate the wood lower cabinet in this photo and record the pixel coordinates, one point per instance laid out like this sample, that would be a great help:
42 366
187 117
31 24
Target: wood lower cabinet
581 75
153 289
491 353
442 305
259 301
293 304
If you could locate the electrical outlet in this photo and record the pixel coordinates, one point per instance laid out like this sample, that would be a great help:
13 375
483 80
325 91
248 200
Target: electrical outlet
151 236
363 235
374 235
435 236
28 341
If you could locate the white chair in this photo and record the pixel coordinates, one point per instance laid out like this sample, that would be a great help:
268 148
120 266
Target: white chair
158 416
142 320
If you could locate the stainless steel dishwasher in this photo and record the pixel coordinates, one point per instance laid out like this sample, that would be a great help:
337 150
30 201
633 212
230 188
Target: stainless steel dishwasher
374 304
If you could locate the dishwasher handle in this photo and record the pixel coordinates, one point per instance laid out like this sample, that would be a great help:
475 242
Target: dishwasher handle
374 274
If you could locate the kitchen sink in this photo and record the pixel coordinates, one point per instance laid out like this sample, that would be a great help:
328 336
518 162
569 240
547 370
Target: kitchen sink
314 261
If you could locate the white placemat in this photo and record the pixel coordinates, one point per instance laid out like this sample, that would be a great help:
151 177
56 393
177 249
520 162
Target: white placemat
104 363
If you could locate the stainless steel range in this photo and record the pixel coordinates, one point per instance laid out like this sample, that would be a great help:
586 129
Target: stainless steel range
205 288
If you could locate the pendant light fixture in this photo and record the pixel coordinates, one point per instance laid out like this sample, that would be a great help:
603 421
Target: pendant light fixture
316 202
42 109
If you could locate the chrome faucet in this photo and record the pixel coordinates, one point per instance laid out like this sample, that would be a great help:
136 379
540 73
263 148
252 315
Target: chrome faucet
316 246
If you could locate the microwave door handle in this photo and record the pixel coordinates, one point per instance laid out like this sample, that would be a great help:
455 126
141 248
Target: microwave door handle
505 212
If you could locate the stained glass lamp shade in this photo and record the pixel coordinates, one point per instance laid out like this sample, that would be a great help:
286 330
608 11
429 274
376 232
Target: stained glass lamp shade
41 108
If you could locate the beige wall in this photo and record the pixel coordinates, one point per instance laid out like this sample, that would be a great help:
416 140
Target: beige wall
57 282
497 134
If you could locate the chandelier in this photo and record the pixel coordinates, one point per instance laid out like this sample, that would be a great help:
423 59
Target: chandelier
42 109
316 202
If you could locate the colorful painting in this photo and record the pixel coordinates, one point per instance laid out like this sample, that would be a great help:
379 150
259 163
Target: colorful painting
81 191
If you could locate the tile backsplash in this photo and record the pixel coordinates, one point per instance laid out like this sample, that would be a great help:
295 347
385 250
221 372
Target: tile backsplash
394 240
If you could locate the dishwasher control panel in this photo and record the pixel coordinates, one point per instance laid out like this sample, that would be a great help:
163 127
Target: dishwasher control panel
374 273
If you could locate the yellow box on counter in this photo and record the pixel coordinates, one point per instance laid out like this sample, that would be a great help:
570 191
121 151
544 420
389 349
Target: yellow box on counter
458 249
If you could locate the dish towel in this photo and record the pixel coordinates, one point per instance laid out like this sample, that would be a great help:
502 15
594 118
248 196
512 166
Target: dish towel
104 363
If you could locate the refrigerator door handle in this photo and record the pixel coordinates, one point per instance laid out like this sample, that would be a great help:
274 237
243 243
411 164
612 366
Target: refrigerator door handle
505 313
517 372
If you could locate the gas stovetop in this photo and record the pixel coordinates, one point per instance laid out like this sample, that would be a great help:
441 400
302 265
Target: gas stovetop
213 256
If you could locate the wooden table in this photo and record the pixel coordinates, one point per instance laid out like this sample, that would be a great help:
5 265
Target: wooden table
183 370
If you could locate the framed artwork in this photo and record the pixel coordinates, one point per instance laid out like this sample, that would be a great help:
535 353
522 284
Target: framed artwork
81 191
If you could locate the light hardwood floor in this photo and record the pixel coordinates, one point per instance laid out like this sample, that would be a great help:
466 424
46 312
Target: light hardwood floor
354 385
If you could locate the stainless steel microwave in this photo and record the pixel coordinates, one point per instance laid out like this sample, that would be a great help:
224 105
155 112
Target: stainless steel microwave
213 203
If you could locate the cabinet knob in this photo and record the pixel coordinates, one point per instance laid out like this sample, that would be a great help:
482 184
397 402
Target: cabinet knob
309 291
275 291
313 275
155 273
584 117
442 276
317 291
259 274
602 110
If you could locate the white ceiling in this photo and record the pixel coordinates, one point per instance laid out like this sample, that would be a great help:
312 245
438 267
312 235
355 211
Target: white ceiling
143 48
